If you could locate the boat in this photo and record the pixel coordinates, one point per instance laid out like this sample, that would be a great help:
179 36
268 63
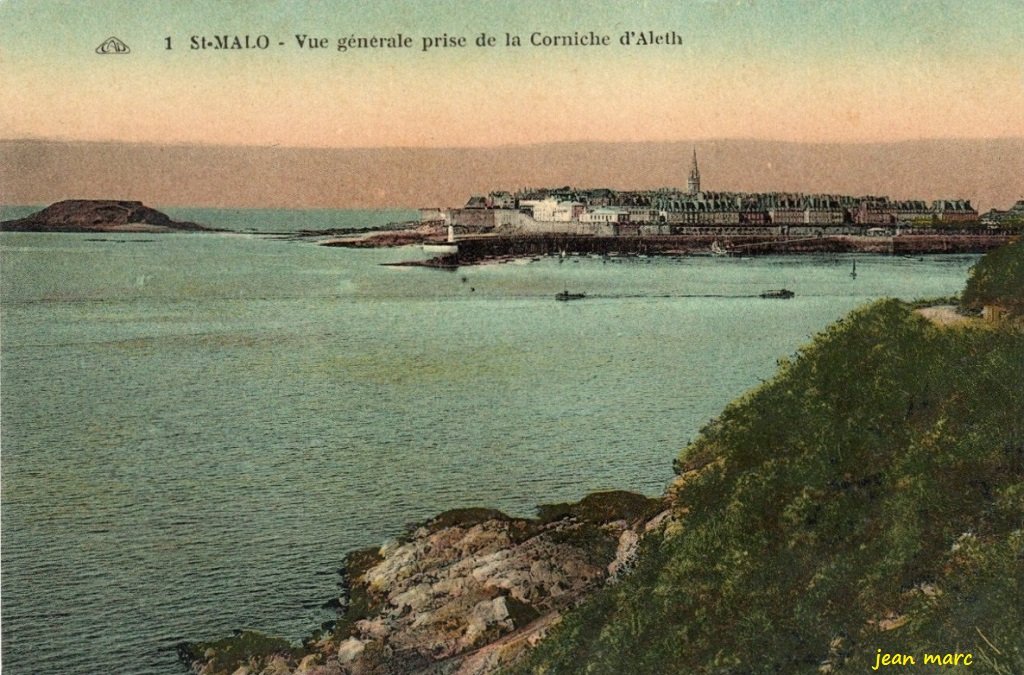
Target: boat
781 293
448 247
717 249
564 296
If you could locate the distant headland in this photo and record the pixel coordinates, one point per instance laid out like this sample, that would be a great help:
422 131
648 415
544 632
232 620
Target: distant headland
99 215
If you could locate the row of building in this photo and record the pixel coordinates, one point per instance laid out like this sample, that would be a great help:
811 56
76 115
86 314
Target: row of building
726 208
1012 217
696 207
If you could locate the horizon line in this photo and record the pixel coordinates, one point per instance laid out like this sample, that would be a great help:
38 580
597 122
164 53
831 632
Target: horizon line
504 146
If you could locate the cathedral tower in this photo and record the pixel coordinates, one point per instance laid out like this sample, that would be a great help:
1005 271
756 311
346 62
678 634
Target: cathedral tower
693 183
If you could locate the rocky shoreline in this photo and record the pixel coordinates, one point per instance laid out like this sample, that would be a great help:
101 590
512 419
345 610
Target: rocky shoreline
385 238
467 592
475 592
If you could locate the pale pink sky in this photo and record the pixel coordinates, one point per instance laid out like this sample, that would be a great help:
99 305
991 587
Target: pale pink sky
791 70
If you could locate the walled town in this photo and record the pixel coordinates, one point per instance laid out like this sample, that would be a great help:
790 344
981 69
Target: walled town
670 211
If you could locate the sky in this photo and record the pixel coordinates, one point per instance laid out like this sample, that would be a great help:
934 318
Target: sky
792 70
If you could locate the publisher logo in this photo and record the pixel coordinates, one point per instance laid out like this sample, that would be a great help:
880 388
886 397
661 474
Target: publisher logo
113 45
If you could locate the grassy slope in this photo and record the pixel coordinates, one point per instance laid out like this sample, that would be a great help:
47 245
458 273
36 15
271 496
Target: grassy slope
870 496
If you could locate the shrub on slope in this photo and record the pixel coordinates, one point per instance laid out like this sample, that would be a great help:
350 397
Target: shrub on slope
870 496
998 279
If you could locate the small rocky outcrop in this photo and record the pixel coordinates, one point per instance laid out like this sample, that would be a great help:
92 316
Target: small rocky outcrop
410 235
98 215
467 592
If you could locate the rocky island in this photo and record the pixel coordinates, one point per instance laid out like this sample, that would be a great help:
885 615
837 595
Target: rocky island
99 215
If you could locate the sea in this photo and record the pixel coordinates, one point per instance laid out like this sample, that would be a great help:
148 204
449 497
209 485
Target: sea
196 428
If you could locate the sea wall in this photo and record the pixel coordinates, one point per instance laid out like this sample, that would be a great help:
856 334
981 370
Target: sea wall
511 221
474 249
480 220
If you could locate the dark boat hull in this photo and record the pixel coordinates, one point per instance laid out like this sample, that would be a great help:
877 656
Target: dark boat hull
781 294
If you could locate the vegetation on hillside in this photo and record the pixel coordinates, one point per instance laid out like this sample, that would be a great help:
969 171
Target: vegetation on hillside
869 497
998 279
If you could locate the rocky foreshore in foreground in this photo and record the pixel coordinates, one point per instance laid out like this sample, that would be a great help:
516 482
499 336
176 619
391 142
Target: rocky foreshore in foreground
822 520
99 215
467 592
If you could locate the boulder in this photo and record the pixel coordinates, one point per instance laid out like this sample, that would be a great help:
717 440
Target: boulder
350 649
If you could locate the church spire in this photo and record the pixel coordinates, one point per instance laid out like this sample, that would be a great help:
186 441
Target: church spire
693 183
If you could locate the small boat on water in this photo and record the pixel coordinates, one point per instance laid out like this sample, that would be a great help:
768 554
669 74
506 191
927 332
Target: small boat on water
717 249
781 293
564 296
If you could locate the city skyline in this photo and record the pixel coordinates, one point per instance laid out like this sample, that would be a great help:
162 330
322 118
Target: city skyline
786 95
40 172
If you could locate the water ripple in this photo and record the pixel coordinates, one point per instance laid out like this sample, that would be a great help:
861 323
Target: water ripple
197 454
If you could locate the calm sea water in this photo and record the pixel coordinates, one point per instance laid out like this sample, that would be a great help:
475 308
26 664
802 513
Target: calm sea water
265 220
197 428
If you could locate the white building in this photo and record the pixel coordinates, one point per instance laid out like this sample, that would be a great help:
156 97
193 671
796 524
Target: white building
605 215
552 210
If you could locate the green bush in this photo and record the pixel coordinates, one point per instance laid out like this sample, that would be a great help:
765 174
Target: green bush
998 279
868 497
604 507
